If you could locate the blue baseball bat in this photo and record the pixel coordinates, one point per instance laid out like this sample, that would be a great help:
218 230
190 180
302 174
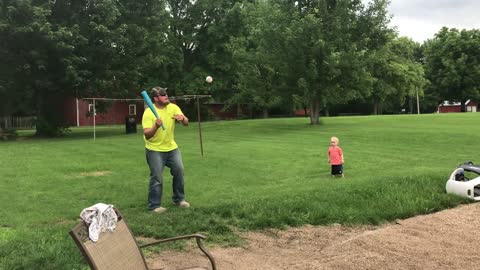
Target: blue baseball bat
150 105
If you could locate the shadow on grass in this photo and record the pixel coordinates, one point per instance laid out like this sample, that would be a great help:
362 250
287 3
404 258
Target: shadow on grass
81 133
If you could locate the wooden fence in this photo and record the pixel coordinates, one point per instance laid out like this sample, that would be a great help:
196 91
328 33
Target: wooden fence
17 122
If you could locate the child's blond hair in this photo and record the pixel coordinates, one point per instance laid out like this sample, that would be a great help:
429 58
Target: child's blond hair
335 139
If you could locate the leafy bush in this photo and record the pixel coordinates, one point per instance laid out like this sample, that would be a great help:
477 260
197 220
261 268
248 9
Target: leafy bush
51 128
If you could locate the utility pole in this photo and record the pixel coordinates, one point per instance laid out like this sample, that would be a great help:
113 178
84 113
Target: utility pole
418 102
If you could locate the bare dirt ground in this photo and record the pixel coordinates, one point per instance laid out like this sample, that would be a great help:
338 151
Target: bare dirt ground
448 239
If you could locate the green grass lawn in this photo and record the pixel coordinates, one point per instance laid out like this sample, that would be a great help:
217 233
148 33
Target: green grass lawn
256 174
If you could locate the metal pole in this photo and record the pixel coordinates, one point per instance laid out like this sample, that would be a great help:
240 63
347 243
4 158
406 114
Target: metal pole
78 114
418 103
94 114
199 126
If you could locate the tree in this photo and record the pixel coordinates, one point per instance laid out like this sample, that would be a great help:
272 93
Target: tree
452 64
119 44
146 56
33 68
327 45
396 73
256 64
77 48
199 31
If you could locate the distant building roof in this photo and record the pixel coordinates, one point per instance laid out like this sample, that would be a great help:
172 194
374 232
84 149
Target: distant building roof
447 103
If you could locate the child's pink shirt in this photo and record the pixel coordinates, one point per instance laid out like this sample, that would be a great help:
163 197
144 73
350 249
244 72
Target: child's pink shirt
335 153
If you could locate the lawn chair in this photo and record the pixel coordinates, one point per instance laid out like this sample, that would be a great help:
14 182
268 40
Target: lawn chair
119 250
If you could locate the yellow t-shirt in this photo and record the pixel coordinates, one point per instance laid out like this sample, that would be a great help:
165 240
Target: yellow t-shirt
163 140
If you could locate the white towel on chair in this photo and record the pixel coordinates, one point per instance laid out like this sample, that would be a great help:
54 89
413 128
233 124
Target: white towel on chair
100 217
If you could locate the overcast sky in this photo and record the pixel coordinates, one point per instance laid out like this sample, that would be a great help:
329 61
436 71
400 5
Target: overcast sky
422 19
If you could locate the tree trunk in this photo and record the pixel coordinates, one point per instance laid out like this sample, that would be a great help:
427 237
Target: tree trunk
314 111
239 110
39 113
462 105
188 57
375 107
410 105
265 113
49 122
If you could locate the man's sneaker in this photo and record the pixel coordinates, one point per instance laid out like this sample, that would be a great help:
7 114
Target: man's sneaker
183 204
159 210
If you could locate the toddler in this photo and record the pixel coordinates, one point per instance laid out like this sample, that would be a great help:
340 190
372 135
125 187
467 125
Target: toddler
335 157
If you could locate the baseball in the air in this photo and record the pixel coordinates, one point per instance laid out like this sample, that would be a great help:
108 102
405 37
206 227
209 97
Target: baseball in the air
209 79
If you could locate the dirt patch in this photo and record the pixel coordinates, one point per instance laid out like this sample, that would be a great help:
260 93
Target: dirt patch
94 174
448 239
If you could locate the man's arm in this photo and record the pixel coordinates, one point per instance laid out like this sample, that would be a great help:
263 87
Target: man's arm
181 118
150 132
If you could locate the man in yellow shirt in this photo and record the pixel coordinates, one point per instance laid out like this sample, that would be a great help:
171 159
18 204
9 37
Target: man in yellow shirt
162 150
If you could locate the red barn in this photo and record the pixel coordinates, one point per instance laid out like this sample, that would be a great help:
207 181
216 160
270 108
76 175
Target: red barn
448 107
79 112
301 112
218 112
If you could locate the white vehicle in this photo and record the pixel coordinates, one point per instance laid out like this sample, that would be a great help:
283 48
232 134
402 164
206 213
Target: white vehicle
462 185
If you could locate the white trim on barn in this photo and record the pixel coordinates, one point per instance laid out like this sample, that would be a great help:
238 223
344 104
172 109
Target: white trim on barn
132 109
447 103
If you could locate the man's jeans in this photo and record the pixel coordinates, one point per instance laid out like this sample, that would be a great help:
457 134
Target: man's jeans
157 161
